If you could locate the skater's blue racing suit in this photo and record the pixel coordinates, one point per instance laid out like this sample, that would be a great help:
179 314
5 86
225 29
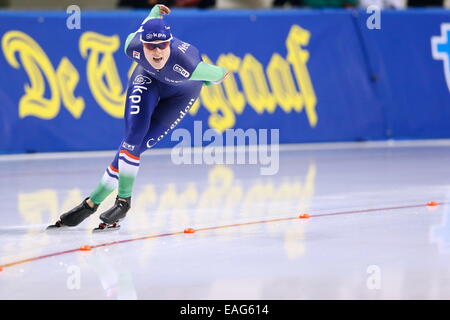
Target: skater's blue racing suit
156 101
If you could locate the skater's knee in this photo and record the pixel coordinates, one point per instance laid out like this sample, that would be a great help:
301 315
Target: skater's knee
135 136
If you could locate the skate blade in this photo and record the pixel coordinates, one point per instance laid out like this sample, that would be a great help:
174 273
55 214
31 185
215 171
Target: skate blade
106 229
56 228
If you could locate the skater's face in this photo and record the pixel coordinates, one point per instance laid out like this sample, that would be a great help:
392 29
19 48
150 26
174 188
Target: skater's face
157 53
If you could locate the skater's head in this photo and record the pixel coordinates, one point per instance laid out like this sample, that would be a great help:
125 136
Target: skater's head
155 38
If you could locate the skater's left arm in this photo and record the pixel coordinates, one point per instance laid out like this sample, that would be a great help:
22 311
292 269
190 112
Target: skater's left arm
209 74
156 13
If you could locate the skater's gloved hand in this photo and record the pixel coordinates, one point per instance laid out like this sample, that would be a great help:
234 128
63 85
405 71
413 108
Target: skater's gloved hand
157 11
210 83
163 9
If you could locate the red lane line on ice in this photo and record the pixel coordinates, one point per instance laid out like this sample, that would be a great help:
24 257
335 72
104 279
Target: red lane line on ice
210 228
315 216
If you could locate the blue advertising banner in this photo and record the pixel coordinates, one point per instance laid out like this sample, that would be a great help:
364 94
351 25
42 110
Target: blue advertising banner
409 59
314 75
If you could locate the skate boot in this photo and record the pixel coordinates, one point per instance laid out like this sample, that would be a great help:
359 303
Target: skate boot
75 216
112 216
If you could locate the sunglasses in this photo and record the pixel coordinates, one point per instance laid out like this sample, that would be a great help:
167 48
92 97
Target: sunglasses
153 46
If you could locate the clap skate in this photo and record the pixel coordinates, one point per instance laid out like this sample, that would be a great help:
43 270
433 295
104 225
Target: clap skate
75 216
107 227
112 216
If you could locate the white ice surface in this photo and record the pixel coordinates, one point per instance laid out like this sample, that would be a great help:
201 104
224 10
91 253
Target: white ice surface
384 254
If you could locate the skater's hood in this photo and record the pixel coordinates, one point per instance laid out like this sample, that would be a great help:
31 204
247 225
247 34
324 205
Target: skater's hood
155 30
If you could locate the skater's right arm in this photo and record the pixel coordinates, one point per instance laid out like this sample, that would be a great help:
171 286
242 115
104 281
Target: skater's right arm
209 74
156 13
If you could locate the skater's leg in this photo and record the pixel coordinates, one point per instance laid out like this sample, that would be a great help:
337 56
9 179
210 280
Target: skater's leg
108 182
167 114
141 100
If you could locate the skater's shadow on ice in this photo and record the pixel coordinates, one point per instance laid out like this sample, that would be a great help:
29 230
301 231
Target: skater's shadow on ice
20 230
35 230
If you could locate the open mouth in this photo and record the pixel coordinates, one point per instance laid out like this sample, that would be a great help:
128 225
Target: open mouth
157 59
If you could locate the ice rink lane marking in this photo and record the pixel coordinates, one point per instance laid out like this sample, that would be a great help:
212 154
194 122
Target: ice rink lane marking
11 264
